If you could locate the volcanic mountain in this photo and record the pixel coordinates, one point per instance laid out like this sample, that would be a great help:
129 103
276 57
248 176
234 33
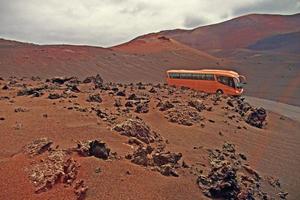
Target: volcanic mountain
239 44
236 33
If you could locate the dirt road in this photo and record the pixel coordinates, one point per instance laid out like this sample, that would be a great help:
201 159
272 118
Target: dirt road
292 112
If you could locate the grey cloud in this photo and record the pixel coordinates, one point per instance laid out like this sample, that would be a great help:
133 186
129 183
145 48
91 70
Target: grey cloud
110 22
270 6
194 21
135 9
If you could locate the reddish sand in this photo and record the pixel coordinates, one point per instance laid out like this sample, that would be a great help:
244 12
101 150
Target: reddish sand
273 150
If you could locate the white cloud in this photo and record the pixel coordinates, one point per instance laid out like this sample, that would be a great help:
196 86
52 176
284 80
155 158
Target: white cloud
109 22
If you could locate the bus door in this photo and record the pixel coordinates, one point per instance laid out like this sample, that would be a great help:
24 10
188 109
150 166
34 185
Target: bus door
226 84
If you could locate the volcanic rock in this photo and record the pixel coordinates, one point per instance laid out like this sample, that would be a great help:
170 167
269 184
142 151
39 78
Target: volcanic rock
93 148
118 103
60 80
73 88
142 108
36 92
80 189
121 93
97 80
5 87
257 118
57 167
166 105
38 146
166 158
129 104
94 98
136 128
229 178
197 104
54 96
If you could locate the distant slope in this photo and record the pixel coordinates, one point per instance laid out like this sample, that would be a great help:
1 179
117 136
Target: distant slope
116 64
288 42
156 43
236 33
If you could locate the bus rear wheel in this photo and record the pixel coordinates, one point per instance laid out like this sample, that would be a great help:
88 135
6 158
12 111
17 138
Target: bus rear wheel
219 92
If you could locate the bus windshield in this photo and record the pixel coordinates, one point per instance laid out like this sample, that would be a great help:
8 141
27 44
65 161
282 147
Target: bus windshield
237 83
242 79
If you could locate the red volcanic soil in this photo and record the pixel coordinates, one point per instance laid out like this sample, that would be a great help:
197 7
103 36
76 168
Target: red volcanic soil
156 43
236 33
19 59
272 152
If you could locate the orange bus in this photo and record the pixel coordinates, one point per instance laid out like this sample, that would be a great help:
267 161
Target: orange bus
208 80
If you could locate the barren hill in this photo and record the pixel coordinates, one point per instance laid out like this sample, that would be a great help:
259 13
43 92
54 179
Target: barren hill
236 33
286 43
156 43
129 65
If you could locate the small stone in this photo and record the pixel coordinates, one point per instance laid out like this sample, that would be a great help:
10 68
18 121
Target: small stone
98 170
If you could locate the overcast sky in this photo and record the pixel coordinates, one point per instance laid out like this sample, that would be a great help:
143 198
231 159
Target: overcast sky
110 22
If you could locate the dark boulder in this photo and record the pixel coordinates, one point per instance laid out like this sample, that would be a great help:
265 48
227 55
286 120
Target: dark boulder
94 98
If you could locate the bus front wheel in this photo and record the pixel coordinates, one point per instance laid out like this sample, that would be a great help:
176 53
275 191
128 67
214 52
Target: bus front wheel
219 92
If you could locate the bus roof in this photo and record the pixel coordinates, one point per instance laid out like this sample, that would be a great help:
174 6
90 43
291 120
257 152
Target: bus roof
212 71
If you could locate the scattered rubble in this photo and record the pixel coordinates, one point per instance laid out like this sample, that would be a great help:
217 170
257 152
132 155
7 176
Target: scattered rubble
142 108
35 92
257 118
136 128
164 162
20 109
197 104
253 116
97 80
166 105
58 167
80 189
38 146
229 177
94 98
184 117
118 103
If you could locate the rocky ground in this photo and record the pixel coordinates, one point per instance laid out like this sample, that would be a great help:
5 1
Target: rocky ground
65 138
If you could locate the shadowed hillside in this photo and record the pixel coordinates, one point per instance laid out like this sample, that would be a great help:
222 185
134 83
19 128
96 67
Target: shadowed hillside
236 33
288 43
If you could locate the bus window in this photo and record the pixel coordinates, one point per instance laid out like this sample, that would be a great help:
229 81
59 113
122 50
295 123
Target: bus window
226 81
195 76
209 77
185 76
174 75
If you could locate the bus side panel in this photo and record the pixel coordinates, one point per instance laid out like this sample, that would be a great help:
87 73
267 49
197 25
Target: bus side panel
182 82
202 85
207 86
